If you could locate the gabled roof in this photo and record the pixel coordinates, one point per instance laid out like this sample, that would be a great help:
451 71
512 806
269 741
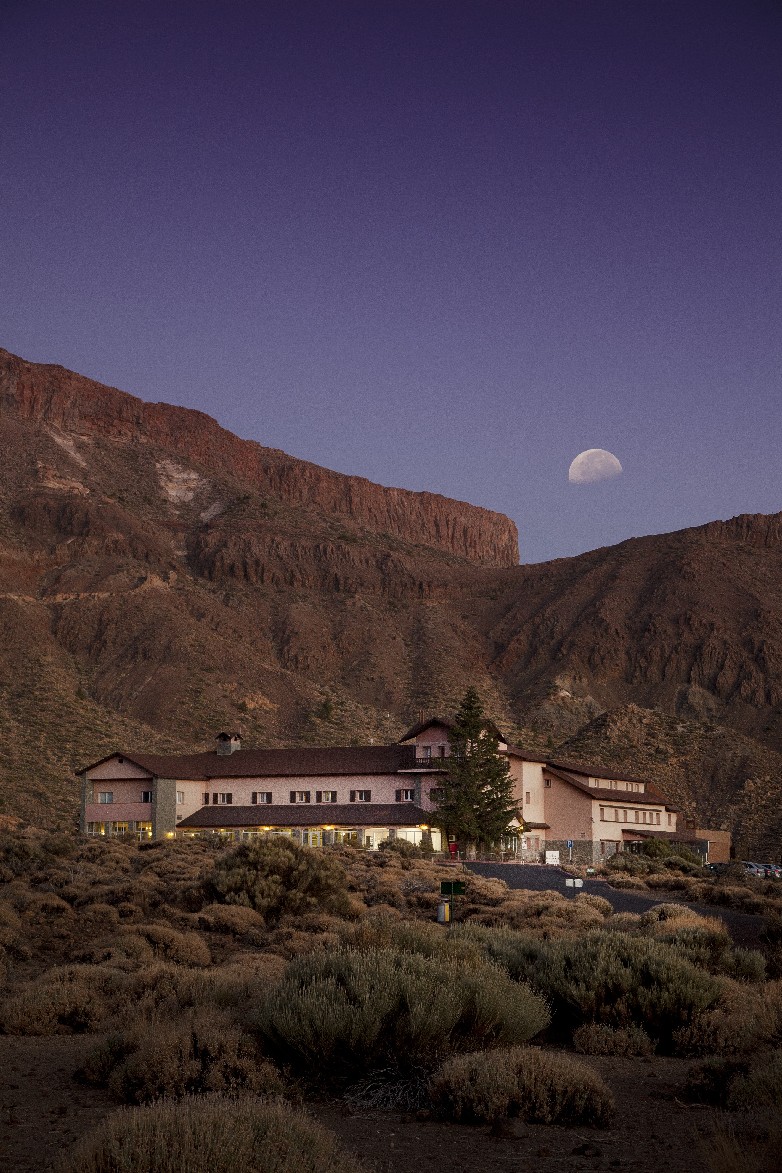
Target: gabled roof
422 726
595 771
274 763
311 814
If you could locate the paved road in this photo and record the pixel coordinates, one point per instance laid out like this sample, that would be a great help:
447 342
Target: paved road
744 927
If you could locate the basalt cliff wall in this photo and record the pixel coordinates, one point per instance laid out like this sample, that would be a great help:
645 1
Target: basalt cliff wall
77 406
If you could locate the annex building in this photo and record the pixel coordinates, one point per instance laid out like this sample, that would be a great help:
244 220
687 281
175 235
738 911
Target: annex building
366 794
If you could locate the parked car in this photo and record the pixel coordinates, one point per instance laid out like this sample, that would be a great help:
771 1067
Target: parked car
773 871
753 869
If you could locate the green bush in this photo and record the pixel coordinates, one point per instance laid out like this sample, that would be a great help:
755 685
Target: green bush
609 978
760 1086
209 1134
520 1081
198 1051
276 877
348 1011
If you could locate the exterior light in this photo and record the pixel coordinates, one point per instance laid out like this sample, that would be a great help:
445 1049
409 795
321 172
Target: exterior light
169 834
423 826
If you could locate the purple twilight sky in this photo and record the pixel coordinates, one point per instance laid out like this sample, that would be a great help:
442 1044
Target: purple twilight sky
442 244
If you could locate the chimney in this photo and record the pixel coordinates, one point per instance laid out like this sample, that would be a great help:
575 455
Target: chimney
227 743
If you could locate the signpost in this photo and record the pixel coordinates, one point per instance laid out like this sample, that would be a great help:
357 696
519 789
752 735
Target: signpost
448 889
570 850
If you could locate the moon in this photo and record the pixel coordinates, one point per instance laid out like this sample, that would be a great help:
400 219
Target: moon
595 464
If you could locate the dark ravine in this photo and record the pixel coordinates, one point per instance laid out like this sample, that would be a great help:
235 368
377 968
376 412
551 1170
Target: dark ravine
160 578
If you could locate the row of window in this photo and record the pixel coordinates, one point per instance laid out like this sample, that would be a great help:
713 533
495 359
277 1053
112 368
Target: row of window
617 815
263 797
107 796
612 784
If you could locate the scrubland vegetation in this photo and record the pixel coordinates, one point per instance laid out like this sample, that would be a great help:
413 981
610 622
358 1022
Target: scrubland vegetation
221 988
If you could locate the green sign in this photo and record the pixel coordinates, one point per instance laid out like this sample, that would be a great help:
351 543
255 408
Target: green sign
452 888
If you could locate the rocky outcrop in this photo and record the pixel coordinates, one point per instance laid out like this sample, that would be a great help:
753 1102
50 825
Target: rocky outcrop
78 406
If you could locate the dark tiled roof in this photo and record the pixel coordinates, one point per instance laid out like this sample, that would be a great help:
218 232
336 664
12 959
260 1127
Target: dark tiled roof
423 725
305 814
596 771
277 763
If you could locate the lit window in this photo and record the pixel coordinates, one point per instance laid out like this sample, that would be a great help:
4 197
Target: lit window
105 796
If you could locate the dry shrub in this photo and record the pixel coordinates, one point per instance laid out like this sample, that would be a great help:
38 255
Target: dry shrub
276 878
161 988
171 945
623 922
598 903
98 916
347 1011
746 1017
750 1150
10 926
209 1134
521 1081
628 883
235 919
595 1039
124 948
380 931
703 941
608 977
198 1051
62 1001
760 1086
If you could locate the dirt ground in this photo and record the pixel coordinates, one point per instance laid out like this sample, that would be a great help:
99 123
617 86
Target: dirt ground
43 1109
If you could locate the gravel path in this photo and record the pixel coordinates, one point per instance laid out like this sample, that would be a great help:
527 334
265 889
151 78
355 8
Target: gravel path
744 927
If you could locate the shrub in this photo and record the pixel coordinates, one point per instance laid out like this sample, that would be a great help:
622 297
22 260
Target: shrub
610 978
199 1051
181 948
520 1081
402 848
209 1134
598 903
760 1086
595 1039
275 877
61 1001
744 1018
350 1011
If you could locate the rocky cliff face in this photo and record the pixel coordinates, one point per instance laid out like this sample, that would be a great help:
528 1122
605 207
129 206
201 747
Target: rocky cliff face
80 407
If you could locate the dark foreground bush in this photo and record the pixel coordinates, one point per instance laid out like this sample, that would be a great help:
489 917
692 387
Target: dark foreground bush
209 1135
609 978
198 1051
276 877
521 1081
350 1011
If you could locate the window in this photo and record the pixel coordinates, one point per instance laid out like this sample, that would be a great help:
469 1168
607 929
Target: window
426 751
264 796
180 797
300 795
361 796
325 796
146 796
403 795
441 751
547 782
225 799
602 814
105 796
528 797
206 800
669 820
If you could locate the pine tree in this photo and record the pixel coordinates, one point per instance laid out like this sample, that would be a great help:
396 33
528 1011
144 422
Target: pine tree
476 803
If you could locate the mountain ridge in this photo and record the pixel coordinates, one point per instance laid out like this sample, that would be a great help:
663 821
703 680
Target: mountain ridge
152 593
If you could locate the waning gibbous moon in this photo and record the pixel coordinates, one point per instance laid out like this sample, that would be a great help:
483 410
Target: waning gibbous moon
594 465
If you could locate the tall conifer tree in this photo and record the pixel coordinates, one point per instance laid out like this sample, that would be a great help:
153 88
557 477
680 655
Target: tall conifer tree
477 803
